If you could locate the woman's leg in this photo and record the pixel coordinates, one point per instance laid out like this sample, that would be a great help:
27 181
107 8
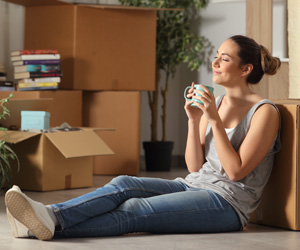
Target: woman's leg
110 197
195 211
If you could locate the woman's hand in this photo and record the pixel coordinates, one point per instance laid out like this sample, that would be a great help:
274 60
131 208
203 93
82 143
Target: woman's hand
193 113
209 104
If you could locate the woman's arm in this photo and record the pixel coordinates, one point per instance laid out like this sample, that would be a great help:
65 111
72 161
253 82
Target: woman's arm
262 132
263 129
194 153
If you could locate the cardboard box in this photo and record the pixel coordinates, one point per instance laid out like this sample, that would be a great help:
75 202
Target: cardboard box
119 110
280 205
54 161
102 47
66 106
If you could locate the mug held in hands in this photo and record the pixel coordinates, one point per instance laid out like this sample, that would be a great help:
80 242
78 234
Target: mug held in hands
196 86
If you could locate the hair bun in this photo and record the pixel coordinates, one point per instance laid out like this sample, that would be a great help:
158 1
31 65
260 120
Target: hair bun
269 64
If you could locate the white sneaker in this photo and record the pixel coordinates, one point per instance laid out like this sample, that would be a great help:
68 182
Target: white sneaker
26 214
18 229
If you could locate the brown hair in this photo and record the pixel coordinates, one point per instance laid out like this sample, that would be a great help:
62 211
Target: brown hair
252 53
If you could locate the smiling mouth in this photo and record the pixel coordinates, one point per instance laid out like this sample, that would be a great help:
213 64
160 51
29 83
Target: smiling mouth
217 73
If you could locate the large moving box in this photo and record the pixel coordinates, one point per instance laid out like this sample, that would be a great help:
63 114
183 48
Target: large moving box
280 205
119 110
58 160
102 47
65 107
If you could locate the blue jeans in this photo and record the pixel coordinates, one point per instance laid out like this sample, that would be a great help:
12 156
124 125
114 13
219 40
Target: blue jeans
131 204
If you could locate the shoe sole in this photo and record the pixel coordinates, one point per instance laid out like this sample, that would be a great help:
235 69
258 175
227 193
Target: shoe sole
22 211
13 222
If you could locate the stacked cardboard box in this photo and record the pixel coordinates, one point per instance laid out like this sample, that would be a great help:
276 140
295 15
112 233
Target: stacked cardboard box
280 205
103 48
65 107
119 110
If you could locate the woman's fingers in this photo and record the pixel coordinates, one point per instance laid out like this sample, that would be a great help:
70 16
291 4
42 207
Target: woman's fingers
202 96
190 95
204 88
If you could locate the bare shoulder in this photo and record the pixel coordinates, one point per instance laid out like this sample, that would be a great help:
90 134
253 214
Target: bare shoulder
266 114
267 109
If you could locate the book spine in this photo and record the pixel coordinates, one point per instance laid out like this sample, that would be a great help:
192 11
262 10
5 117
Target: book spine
26 62
27 68
6 84
40 80
36 57
39 88
37 74
35 51
38 84
38 68
50 68
2 88
23 75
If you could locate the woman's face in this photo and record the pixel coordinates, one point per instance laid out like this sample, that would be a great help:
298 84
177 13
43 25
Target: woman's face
226 65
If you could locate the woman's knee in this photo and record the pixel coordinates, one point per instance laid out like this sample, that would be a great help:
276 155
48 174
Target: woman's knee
120 179
123 181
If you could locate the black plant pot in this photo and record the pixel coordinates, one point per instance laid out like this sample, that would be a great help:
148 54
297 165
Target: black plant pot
158 155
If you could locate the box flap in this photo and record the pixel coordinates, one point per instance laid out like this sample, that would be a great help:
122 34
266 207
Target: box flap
16 106
97 129
79 143
27 3
16 136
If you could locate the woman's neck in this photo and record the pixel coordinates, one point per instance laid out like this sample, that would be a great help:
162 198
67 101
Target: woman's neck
239 95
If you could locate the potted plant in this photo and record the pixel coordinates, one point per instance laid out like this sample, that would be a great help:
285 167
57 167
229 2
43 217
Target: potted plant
6 153
175 44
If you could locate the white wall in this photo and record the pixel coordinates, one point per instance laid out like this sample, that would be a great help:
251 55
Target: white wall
279 45
219 22
11 32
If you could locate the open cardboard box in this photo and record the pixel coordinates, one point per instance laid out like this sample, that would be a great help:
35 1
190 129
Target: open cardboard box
58 160
280 205
102 47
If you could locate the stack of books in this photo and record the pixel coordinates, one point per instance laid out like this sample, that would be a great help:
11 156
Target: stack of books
5 85
36 69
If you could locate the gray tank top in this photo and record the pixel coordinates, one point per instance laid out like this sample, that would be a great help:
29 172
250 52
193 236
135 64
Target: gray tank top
244 195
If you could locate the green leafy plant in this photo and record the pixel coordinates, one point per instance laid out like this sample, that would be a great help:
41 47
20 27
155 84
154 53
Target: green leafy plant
6 153
175 44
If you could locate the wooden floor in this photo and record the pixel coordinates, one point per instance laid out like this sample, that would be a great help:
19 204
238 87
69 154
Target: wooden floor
254 237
